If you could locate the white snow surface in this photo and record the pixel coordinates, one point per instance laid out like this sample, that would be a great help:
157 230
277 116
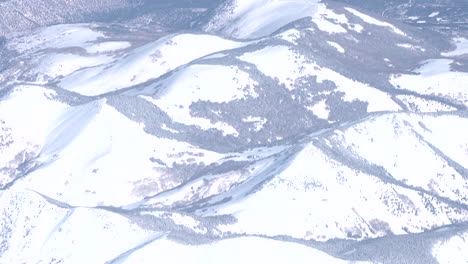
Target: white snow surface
218 183
200 83
257 121
411 47
417 104
303 187
399 173
51 66
108 46
291 35
58 236
294 66
337 46
24 102
56 37
453 250
402 137
246 19
144 63
435 77
461 48
328 21
80 146
450 141
59 239
371 20
247 250
320 109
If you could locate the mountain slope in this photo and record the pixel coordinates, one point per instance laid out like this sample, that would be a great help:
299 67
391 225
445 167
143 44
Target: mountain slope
329 134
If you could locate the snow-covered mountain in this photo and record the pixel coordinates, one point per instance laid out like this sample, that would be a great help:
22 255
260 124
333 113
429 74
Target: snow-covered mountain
241 131
438 14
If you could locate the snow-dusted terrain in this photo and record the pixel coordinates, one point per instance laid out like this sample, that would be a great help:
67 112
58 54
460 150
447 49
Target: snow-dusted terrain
256 131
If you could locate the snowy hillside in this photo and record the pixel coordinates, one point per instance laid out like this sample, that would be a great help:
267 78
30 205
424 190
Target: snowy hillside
258 131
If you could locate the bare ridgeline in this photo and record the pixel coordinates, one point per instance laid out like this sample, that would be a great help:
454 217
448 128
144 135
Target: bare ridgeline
239 131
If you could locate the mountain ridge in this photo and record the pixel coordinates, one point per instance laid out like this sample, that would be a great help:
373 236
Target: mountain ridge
218 135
